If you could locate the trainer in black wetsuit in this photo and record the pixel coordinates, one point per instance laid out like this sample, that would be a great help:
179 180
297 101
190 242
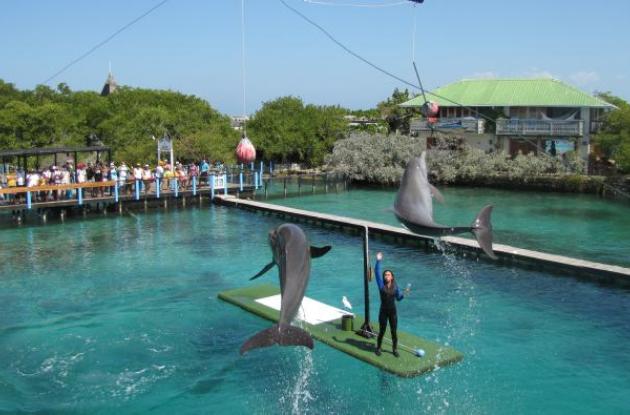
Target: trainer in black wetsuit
390 293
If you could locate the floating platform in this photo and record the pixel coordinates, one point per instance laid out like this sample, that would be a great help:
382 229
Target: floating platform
323 322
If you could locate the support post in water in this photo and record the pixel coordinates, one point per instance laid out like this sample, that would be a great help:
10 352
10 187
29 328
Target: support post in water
366 329
240 181
137 189
225 185
194 185
212 186
29 201
157 188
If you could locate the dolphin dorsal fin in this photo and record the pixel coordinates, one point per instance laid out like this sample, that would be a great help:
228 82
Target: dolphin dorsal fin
436 193
317 251
262 271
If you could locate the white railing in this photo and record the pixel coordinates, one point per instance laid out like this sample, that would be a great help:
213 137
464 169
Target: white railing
471 125
540 127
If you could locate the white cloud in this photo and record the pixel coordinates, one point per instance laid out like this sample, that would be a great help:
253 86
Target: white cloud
584 77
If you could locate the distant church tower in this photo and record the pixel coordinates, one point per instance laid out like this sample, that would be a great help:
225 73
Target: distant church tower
110 85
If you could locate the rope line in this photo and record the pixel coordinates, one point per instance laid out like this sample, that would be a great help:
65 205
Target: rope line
243 54
363 5
104 42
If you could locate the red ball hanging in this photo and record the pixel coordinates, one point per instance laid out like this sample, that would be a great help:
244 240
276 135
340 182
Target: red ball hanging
430 109
245 151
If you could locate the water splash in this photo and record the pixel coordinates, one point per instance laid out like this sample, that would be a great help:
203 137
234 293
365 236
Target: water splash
301 394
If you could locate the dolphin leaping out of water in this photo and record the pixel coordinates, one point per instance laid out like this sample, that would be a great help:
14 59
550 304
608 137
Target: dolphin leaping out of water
292 254
414 208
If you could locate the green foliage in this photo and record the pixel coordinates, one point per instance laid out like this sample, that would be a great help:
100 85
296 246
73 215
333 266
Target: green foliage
125 120
286 129
396 117
374 158
614 139
382 159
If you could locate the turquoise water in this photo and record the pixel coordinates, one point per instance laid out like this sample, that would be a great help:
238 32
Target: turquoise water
120 315
580 226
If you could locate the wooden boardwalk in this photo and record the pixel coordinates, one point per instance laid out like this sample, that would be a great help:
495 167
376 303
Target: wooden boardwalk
507 254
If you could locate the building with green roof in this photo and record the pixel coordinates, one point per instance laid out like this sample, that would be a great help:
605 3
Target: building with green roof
515 115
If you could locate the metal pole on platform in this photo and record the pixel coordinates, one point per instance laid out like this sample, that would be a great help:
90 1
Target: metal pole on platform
80 195
240 181
194 185
366 329
116 192
212 186
28 200
137 189
157 188
225 185
255 180
176 188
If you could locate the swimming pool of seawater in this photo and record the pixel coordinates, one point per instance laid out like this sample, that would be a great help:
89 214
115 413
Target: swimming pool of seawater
581 226
120 315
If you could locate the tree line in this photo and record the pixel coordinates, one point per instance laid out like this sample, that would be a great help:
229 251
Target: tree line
284 129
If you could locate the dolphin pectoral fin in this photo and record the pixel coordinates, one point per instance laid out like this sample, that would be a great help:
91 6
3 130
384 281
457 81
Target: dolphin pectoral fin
284 335
317 251
262 271
436 193
482 229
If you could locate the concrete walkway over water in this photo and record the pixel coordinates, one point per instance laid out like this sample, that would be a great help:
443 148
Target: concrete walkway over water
467 247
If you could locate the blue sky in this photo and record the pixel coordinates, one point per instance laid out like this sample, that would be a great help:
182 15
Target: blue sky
194 46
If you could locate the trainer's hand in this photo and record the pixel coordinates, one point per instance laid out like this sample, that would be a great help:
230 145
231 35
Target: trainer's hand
379 256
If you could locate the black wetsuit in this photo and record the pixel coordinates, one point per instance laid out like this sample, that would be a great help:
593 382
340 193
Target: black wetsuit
389 296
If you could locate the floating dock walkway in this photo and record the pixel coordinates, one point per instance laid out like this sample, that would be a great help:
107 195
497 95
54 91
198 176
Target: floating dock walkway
507 254
323 322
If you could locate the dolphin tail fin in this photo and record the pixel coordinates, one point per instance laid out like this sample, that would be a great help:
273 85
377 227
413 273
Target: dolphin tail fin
262 271
317 251
482 229
282 334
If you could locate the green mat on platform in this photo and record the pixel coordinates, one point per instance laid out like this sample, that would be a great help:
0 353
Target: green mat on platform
407 365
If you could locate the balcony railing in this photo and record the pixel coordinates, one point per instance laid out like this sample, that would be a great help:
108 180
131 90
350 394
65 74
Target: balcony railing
472 125
540 127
